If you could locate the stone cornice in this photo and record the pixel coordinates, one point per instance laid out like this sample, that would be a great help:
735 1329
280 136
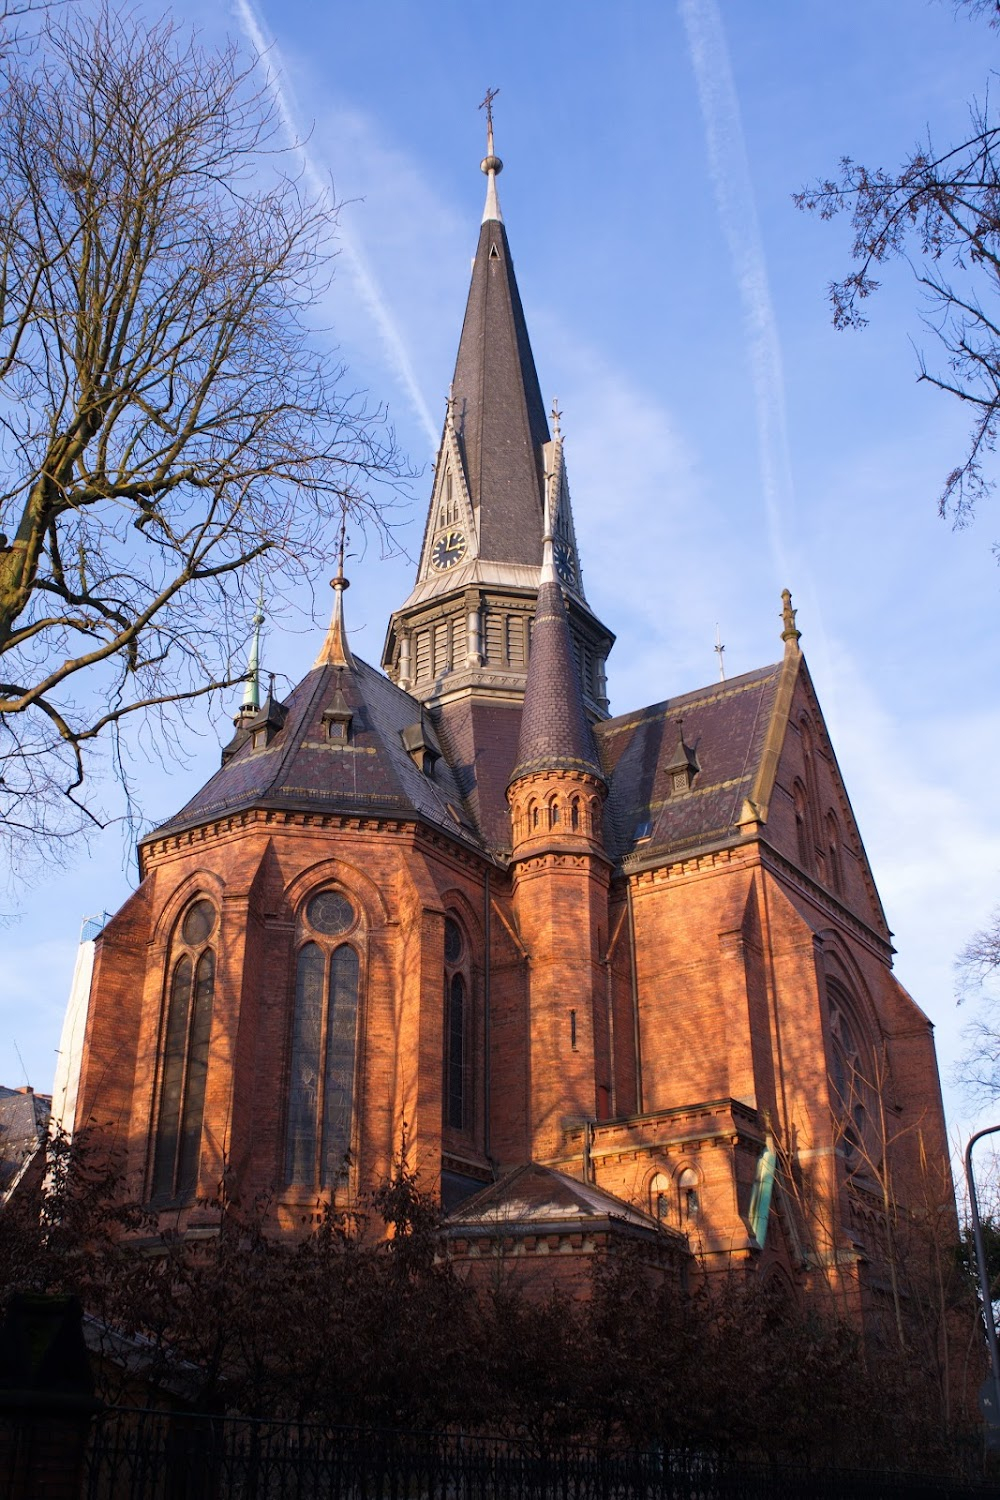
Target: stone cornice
661 865
265 820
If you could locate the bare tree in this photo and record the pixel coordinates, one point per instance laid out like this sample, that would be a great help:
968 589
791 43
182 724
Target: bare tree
167 417
978 968
940 212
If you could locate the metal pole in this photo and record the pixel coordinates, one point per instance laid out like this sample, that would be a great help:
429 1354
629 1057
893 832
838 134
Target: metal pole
984 1278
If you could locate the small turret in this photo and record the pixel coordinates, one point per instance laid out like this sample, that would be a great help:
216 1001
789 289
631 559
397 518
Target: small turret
561 880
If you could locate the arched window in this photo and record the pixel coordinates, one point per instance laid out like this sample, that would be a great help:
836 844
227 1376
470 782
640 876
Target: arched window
553 814
185 1040
833 853
456 1111
853 1083
687 1186
324 1039
659 1198
575 814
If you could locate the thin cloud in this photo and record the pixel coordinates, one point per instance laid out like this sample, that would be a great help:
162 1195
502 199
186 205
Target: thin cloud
368 288
730 174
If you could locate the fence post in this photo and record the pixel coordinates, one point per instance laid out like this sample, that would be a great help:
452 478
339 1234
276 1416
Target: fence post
47 1397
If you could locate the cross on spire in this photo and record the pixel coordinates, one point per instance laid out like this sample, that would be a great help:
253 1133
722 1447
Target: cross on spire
491 163
487 104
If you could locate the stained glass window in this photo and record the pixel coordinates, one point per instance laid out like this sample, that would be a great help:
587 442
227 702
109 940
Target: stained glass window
184 1058
324 1040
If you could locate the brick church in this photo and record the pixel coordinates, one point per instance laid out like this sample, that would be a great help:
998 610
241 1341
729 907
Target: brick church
605 976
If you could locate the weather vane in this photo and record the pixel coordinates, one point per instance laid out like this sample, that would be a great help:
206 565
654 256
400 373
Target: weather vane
719 648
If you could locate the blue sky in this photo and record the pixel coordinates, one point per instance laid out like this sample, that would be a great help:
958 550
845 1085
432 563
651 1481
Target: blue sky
722 440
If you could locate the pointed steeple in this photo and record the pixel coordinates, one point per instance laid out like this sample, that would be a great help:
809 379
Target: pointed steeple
251 693
555 732
499 412
335 650
460 643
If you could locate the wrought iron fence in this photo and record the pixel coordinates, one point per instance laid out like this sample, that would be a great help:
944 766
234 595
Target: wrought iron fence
136 1455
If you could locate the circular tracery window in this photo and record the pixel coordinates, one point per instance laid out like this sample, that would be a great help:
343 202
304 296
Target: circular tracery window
198 922
330 913
452 941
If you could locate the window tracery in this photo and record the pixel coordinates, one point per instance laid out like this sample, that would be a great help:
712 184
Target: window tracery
185 1038
319 1124
853 1083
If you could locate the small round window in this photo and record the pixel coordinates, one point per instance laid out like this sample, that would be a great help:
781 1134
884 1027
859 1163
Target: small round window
199 920
452 941
330 913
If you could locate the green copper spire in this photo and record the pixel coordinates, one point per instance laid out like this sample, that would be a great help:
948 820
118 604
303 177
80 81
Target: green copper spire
251 693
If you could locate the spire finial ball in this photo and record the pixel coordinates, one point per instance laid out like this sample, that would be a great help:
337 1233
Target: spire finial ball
491 164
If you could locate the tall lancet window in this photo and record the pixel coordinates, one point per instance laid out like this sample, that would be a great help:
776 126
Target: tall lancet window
457 1112
324 1038
187 1029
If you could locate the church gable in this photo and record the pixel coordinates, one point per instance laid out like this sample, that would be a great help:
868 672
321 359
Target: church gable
809 818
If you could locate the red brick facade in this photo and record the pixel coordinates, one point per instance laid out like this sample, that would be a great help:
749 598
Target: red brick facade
660 968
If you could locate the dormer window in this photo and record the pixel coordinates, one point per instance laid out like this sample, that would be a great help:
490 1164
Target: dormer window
265 725
421 746
337 719
682 766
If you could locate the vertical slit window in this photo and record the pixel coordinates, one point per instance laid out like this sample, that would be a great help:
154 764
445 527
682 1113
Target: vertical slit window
456 1053
456 1110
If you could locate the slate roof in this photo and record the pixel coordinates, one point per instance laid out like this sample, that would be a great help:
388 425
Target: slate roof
555 734
480 739
499 411
301 768
726 726
24 1116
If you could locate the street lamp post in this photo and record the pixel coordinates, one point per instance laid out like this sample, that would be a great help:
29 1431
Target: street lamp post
984 1277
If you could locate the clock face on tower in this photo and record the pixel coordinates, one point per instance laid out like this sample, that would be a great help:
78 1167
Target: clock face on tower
448 549
564 561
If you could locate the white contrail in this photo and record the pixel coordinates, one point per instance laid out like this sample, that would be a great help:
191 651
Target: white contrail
734 198
370 293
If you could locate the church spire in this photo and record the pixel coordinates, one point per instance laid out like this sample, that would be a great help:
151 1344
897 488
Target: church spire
499 414
335 650
251 693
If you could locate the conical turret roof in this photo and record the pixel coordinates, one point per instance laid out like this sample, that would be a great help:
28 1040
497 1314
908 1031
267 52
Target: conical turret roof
555 732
